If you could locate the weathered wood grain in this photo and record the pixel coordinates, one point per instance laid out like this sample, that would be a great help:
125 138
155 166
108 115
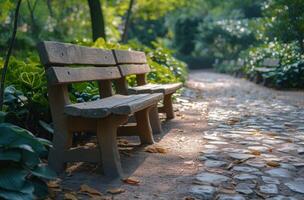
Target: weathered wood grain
59 54
133 69
66 75
129 57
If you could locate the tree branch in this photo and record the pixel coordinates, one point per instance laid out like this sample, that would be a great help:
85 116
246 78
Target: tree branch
8 55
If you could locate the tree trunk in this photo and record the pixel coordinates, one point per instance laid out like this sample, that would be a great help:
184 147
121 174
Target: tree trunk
97 20
124 36
8 55
34 25
49 5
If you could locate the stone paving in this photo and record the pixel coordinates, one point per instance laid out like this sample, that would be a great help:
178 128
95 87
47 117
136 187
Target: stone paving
254 148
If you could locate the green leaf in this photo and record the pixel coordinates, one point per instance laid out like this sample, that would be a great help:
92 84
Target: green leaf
22 146
41 188
46 126
11 135
43 171
26 193
2 116
11 155
12 178
30 159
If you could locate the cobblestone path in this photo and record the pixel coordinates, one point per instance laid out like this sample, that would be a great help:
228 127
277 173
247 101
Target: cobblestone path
254 145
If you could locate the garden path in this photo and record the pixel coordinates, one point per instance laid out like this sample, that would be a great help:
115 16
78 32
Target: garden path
231 140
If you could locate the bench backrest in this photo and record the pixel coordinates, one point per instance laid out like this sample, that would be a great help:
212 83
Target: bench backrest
131 63
68 63
60 60
270 62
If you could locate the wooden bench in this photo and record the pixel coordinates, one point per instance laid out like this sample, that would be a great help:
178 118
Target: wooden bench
106 116
270 65
135 63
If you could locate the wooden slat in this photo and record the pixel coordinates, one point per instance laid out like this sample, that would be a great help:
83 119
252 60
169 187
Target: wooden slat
270 62
130 69
141 102
130 57
117 104
65 75
59 54
156 88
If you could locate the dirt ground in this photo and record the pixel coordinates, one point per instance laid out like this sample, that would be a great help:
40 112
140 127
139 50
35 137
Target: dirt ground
170 175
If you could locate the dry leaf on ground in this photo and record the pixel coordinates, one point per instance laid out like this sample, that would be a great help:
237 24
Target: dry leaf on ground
155 149
87 189
115 191
255 152
131 181
54 184
233 121
273 164
70 196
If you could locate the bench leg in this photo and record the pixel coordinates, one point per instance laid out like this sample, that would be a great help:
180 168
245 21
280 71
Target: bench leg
155 121
168 106
61 142
106 137
143 126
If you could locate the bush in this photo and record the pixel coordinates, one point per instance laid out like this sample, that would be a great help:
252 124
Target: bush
290 72
22 173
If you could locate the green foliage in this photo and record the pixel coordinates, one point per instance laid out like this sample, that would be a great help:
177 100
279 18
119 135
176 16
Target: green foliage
288 74
285 21
223 39
22 173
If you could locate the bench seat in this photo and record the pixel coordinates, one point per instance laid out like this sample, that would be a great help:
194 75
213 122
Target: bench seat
117 104
155 88
265 69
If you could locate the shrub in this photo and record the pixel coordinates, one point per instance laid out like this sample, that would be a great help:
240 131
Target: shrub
22 173
288 74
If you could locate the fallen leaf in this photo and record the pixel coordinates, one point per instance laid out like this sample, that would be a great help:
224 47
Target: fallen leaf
70 196
155 149
131 181
115 191
273 164
189 198
230 166
227 191
255 152
87 189
191 162
54 184
125 148
233 121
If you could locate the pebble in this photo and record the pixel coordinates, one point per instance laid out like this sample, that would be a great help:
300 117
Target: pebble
240 156
280 197
230 197
245 169
270 180
296 186
279 172
243 188
269 189
214 163
211 178
203 191
243 177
